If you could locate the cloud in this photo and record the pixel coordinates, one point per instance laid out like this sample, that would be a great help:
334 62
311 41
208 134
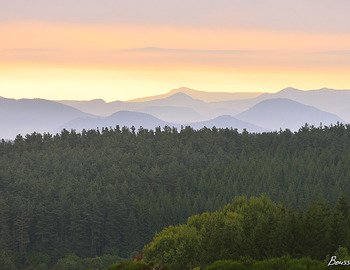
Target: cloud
168 50
329 16
337 52
32 50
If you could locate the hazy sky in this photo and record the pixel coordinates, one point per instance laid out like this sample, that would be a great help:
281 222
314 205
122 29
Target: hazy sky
110 49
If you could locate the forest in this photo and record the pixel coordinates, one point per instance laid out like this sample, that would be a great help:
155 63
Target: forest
101 195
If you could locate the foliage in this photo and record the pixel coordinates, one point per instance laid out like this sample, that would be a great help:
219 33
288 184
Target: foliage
133 265
69 262
37 260
244 229
176 246
74 262
5 261
107 191
225 265
282 263
340 255
286 263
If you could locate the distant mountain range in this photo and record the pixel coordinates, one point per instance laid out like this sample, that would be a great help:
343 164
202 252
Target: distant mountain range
285 113
227 121
325 99
257 112
204 110
137 119
33 115
122 118
202 95
210 106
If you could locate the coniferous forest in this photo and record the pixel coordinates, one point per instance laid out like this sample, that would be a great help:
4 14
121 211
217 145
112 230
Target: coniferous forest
103 194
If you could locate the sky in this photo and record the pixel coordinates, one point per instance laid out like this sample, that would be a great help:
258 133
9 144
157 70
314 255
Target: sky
120 50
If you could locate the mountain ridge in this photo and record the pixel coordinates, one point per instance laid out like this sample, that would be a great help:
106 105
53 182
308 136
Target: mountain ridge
147 121
282 113
24 116
21 116
205 96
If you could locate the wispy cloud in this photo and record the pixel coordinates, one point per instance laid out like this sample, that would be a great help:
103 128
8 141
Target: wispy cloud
32 50
337 52
168 50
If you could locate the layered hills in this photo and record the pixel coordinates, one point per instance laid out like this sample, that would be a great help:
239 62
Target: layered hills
33 115
289 108
285 113
203 95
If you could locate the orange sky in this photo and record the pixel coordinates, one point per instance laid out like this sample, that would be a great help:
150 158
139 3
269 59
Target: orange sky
61 60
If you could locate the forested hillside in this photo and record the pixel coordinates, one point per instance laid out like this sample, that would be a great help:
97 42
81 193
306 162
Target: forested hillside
109 191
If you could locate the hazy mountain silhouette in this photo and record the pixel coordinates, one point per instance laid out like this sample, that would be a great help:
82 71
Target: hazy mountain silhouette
177 99
178 106
182 115
285 113
330 100
101 108
122 118
201 110
227 121
345 114
97 106
28 115
183 100
202 95
137 119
